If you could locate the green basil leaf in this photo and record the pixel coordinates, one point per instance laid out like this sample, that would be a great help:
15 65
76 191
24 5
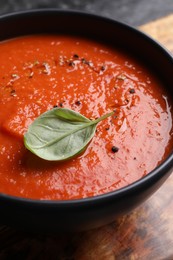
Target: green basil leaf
60 134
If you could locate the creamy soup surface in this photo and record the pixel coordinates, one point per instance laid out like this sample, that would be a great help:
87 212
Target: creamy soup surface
38 73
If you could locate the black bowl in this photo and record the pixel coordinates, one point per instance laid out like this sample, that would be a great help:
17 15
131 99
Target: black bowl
83 214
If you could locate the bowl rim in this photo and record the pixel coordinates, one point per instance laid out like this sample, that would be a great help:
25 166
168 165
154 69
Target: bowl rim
141 183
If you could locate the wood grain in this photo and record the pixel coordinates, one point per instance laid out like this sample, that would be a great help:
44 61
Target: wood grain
144 234
161 30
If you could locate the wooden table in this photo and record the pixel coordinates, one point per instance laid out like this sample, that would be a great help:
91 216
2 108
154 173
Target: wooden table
145 234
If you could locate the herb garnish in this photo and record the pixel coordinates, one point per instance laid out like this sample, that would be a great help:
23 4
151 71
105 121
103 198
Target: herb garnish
60 134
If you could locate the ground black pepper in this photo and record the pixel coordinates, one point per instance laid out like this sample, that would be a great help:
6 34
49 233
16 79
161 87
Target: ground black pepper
84 61
78 103
13 93
71 63
76 56
102 68
115 149
132 91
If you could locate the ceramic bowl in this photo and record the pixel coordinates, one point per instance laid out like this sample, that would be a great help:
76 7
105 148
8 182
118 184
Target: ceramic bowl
84 214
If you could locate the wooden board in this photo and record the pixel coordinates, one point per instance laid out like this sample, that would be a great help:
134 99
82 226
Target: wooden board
162 31
145 234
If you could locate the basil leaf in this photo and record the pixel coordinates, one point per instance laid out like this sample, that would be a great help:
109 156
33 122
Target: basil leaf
60 134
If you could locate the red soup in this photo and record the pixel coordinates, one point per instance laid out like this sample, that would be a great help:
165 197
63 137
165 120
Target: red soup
40 72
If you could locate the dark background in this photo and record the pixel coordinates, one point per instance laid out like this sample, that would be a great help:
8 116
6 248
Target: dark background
133 12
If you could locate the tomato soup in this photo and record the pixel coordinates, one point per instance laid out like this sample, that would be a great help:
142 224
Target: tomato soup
38 73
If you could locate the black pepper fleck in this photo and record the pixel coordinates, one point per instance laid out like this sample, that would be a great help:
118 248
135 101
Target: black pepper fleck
132 91
115 149
13 93
76 56
84 61
78 103
102 68
71 63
